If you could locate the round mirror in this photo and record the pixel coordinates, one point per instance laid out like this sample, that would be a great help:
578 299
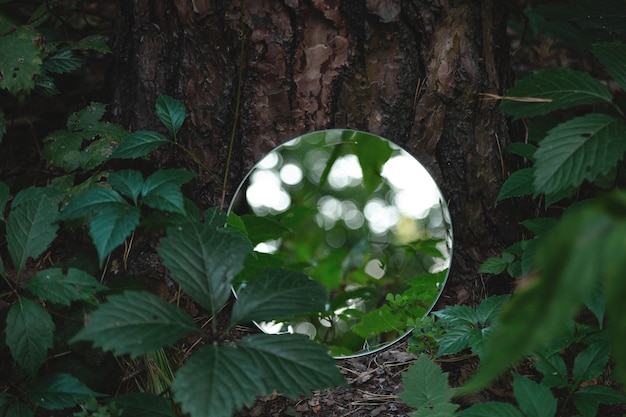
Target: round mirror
361 216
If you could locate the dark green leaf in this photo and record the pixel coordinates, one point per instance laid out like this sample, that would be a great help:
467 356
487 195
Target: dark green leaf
19 409
487 311
519 183
596 303
459 314
92 43
4 197
534 400
204 261
55 286
491 409
161 190
45 85
90 202
561 88
31 228
62 149
20 61
112 224
171 112
143 405
215 217
525 150
590 363
613 56
139 144
278 294
539 225
58 391
496 265
582 148
29 333
87 118
588 398
62 62
128 182
372 153
291 364
454 340
425 385
135 323
554 371
261 229
215 381
377 321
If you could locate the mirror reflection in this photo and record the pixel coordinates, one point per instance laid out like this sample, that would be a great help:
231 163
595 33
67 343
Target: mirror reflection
361 216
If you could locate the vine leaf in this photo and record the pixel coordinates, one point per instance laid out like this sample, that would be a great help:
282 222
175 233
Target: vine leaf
59 391
588 398
135 323
590 363
613 56
372 154
62 62
204 261
519 183
111 226
563 87
582 148
89 202
278 294
128 182
534 400
161 190
29 333
171 112
55 286
139 144
20 61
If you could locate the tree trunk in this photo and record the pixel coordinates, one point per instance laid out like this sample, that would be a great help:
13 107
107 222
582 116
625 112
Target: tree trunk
260 72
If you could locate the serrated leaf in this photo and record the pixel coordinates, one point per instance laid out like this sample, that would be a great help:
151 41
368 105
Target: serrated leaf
139 144
588 398
143 404
454 340
62 62
59 391
487 311
20 61
19 409
215 217
525 150
86 118
31 228
29 333
128 182
582 148
98 151
92 43
278 294
519 183
135 323
425 385
491 409
204 261
62 150
291 364
496 265
554 371
112 224
45 85
459 314
613 56
590 363
171 112
562 87
91 201
161 190
215 381
54 286
535 400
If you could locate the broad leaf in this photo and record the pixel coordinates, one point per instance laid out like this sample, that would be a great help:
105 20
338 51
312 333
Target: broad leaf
559 88
112 224
58 391
456 315
534 400
89 202
525 150
29 333
54 286
496 265
20 61
539 225
613 56
19 409
215 381
582 148
553 369
139 144
519 183
87 118
214 217
278 294
425 385
291 364
143 405
62 149
487 311
62 62
378 321
590 363
372 153
588 398
161 190
92 43
454 340
171 112
204 261
31 228
135 323
128 182
261 229
491 409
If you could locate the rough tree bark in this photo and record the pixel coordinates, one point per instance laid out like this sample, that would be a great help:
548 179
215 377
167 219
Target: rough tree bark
268 70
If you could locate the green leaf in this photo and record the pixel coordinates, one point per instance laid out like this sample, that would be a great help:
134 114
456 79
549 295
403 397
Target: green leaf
425 385
204 261
496 265
534 400
55 286
539 225
562 88
372 153
261 229
92 43
215 217
525 150
171 112
588 398
20 61
491 409
31 228
487 311
582 148
135 323
291 364
161 190
62 149
378 321
87 118
89 202
215 381
128 182
590 363
112 224
278 294
613 56
19 409
29 333
138 144
553 369
62 62
142 404
458 314
58 391
519 183
454 340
